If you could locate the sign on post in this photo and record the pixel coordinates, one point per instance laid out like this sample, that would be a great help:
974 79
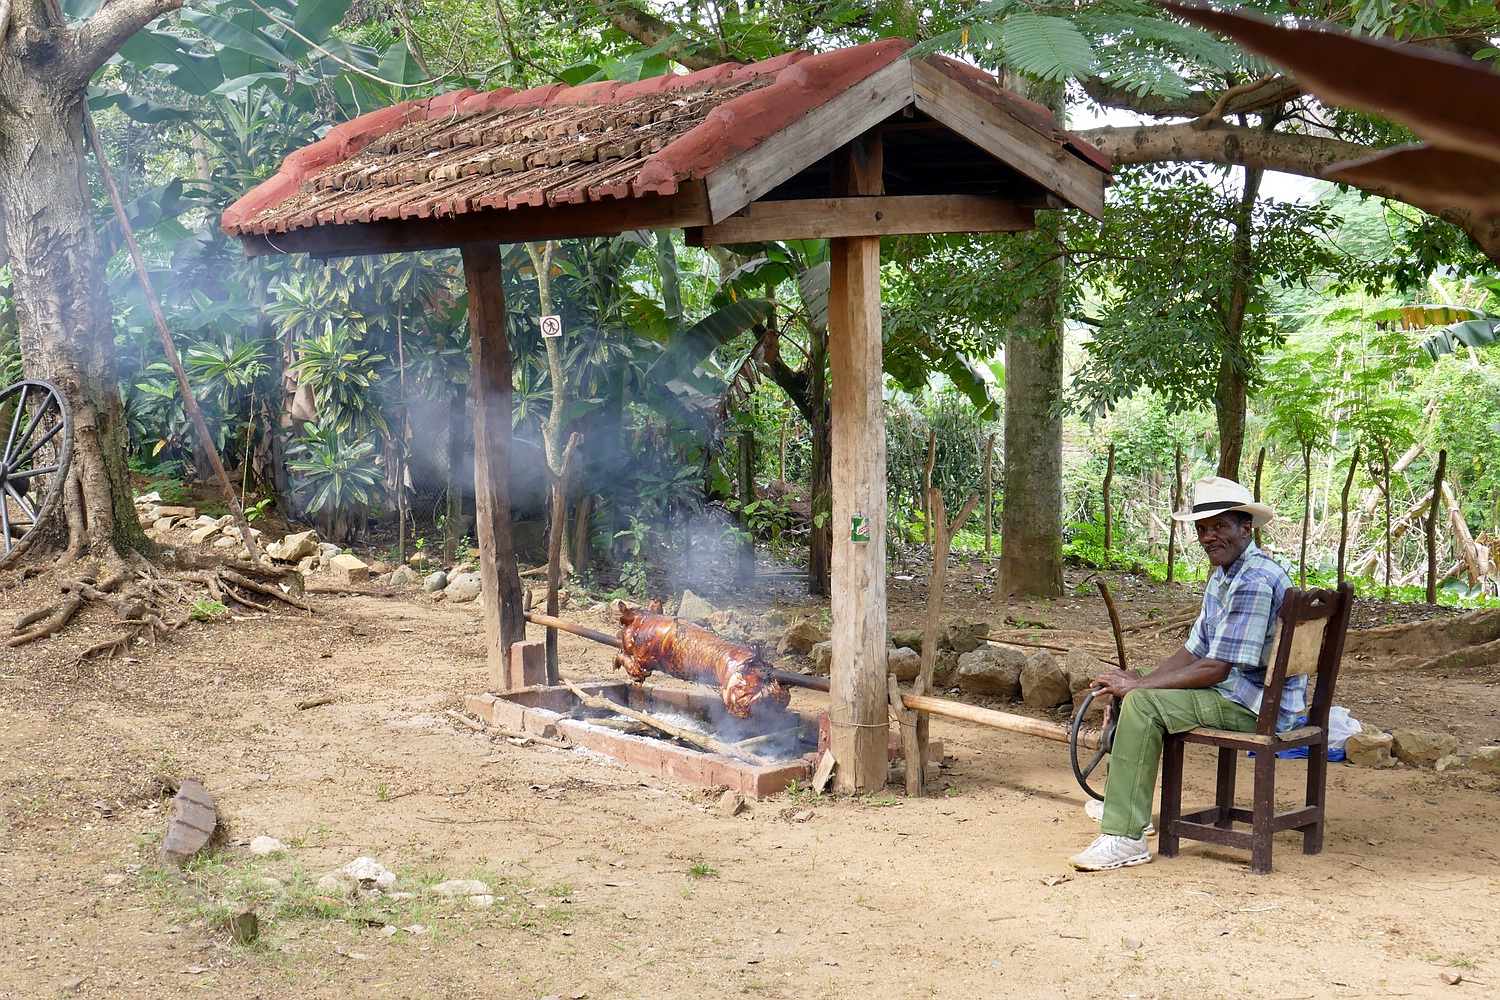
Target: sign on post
551 326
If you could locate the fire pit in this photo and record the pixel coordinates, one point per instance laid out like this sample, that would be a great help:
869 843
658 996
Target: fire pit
787 744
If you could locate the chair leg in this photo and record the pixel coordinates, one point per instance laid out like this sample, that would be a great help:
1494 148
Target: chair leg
1262 809
1317 797
1224 796
1171 797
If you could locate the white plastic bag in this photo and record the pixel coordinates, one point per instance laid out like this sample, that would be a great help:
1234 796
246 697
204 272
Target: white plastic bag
1341 726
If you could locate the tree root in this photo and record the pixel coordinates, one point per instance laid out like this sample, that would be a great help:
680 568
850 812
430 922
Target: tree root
139 595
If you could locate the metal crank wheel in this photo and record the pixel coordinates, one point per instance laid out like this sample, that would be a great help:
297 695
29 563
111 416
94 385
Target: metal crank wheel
1082 771
38 445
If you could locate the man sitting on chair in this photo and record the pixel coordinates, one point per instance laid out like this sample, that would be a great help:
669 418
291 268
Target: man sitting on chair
1215 679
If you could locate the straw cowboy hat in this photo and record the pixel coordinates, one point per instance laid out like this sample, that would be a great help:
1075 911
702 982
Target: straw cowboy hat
1216 496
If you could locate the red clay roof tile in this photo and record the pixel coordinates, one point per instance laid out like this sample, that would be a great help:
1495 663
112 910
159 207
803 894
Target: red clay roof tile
465 151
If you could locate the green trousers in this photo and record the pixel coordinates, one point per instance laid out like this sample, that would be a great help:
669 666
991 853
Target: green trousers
1146 717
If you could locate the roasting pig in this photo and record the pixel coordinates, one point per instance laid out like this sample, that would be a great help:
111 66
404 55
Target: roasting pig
650 640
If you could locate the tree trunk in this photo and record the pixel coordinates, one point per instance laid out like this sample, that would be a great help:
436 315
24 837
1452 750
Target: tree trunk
1031 522
62 311
1230 394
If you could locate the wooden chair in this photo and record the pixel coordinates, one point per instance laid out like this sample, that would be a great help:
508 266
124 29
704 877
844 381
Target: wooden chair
1311 643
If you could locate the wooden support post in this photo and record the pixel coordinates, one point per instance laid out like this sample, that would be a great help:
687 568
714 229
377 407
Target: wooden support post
857 712
499 577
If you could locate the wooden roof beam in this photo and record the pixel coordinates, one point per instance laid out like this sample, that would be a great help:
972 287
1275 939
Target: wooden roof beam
813 218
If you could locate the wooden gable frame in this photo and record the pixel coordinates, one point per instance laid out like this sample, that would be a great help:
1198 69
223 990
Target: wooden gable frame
853 168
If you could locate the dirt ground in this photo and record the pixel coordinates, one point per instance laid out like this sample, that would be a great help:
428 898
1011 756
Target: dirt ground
609 883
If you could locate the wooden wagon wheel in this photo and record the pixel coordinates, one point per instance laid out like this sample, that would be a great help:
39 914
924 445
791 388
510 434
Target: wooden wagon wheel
38 445
1082 771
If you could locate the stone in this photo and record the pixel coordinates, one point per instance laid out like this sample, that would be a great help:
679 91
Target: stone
349 569
463 588
460 887
822 657
1043 684
328 550
965 637
264 847
910 638
904 663
148 499
1368 749
225 542
731 803
993 670
1418 746
335 885
164 523
801 636
203 533
694 608
194 819
379 567
945 668
370 874
1451 762
404 576
419 560
204 521
1485 760
435 581
294 547
165 511
309 565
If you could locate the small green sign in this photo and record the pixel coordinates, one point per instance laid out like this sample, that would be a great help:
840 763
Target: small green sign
859 528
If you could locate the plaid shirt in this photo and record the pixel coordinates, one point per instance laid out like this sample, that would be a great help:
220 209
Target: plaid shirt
1238 626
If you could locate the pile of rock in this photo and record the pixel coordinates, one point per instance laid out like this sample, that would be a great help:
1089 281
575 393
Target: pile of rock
966 659
1423 748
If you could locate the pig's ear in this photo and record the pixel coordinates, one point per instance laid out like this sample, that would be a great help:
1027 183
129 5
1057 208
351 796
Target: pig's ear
654 607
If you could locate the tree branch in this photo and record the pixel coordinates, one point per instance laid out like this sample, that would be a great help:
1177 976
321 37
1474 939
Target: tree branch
651 31
1263 93
1289 152
116 20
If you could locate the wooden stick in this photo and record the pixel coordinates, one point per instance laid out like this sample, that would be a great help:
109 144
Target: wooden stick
914 732
548 621
927 513
999 720
1109 514
687 735
513 734
767 737
1114 621
989 498
1344 514
1432 520
1043 645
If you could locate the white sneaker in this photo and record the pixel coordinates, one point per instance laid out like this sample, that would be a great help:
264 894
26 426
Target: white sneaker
1109 851
1095 810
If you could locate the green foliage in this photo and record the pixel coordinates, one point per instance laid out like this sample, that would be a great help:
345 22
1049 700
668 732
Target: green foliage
334 477
1163 269
205 608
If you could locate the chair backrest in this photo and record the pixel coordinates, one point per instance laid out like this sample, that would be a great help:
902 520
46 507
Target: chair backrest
1310 643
